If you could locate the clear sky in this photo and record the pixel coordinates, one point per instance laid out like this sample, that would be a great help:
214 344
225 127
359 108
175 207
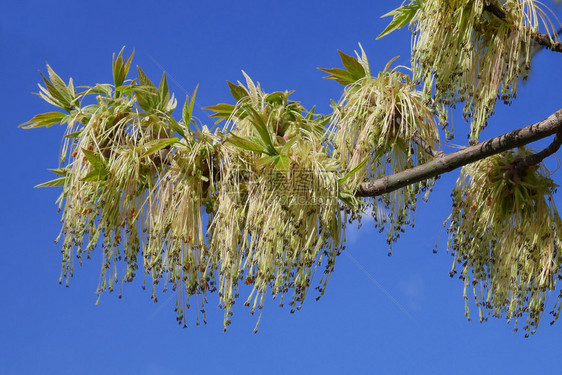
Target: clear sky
389 315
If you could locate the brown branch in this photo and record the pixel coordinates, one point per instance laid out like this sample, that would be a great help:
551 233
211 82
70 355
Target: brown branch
426 146
449 162
546 41
535 159
542 39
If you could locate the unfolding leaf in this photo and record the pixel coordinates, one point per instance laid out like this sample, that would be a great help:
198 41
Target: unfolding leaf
244 143
96 175
157 144
402 16
60 171
121 68
163 92
56 182
275 98
389 63
97 161
146 94
222 110
238 91
352 66
74 134
260 125
188 108
44 119
341 76
353 171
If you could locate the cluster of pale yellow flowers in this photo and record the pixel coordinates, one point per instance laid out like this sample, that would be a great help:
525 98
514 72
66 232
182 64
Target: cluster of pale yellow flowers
474 51
504 233
264 201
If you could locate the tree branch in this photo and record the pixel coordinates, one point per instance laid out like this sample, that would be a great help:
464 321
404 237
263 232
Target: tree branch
426 146
449 162
535 159
546 41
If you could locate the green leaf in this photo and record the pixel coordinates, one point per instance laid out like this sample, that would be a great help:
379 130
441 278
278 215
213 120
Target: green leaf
176 126
238 92
97 161
146 94
261 127
101 89
96 175
121 68
283 162
74 135
56 182
188 108
352 66
402 16
44 119
60 171
275 98
222 110
65 93
245 144
157 144
163 92
287 146
341 76
353 171
267 160
57 92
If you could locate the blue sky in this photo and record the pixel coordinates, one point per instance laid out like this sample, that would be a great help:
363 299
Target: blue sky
389 315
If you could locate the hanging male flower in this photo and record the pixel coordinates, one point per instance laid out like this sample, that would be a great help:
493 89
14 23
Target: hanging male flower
277 216
504 231
382 125
473 51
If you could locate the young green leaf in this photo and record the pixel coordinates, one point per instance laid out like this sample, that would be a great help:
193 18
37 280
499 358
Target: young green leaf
287 146
60 171
260 125
238 91
188 108
341 76
402 16
157 144
121 68
96 175
163 92
222 110
275 97
44 119
353 171
245 143
146 95
352 66
97 161
56 182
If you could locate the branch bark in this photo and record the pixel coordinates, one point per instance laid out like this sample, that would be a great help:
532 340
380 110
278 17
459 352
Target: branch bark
449 162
